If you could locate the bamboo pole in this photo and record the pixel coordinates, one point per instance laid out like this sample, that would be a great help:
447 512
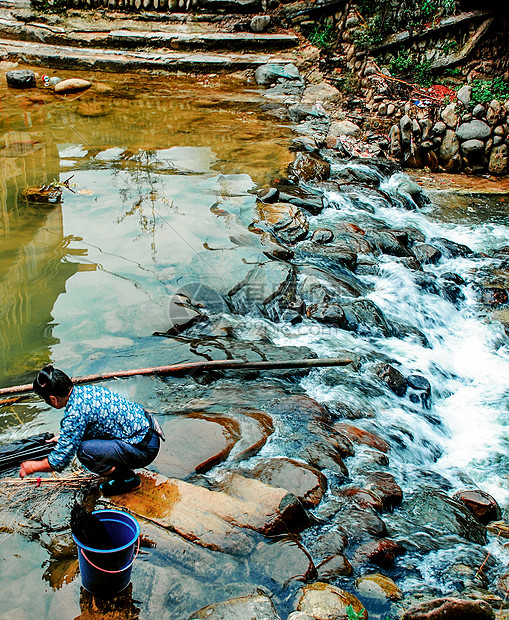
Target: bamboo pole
192 367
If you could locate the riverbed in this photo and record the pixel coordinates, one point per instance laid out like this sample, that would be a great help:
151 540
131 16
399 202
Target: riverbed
162 175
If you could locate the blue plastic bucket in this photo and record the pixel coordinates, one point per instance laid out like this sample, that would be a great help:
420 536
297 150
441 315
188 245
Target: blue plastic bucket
106 572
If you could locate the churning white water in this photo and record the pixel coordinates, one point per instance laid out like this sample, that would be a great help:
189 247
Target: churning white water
464 354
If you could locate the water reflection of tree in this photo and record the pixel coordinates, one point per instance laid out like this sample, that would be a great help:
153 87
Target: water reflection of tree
140 187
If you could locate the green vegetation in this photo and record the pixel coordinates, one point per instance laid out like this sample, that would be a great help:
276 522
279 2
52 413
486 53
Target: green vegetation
407 67
323 34
355 615
484 91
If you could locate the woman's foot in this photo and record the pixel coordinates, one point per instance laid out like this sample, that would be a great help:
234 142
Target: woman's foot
117 486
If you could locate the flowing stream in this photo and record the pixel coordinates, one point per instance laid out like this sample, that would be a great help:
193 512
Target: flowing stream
162 181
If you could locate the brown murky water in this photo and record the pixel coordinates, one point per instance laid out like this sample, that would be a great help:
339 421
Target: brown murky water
85 282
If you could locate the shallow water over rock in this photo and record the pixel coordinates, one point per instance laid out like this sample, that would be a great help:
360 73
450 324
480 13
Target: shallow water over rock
163 228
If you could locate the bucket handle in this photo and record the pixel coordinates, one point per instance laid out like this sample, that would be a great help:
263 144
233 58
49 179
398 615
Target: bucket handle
111 572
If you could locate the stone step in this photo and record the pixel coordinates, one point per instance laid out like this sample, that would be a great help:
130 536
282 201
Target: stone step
97 59
127 39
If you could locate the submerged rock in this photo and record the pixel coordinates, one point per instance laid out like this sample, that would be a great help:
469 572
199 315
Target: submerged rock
72 85
304 481
381 552
284 561
285 221
255 607
324 602
378 586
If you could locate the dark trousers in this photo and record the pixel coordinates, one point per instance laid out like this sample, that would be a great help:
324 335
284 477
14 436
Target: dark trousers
100 455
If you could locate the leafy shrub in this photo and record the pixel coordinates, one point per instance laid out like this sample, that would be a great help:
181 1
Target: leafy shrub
484 91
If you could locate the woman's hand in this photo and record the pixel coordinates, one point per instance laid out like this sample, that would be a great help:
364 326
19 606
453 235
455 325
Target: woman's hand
30 467
52 440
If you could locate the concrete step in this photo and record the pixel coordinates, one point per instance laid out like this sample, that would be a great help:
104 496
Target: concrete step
70 57
128 39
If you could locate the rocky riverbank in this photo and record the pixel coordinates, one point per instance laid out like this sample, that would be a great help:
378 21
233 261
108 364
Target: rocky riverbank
274 489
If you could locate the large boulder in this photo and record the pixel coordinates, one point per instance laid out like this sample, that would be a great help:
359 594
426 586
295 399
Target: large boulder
322 93
473 130
308 166
218 520
344 128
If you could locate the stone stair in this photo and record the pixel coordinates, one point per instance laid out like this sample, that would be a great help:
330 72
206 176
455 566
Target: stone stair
102 40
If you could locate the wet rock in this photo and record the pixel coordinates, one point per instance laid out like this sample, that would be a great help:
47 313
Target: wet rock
324 602
362 498
493 296
433 509
358 435
198 443
395 142
304 143
381 552
71 86
299 112
499 159
256 607
386 487
328 313
338 252
387 242
217 520
453 277
360 524
473 130
394 380
451 248
326 545
266 289
419 390
271 73
482 505
322 236
269 195
426 253
333 567
256 427
259 23
21 78
305 482
283 561
312 203
284 510
320 285
308 167
285 221
365 317
405 126
378 586
450 609
324 456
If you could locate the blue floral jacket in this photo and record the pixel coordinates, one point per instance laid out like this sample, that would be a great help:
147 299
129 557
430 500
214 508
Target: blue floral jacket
93 412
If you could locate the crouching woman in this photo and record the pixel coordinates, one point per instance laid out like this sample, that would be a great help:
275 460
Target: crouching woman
109 434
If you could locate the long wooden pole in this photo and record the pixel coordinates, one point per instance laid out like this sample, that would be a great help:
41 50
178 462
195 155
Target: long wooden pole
191 367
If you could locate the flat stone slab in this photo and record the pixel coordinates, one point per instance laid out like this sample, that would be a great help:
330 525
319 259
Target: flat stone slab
214 519
67 57
195 444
